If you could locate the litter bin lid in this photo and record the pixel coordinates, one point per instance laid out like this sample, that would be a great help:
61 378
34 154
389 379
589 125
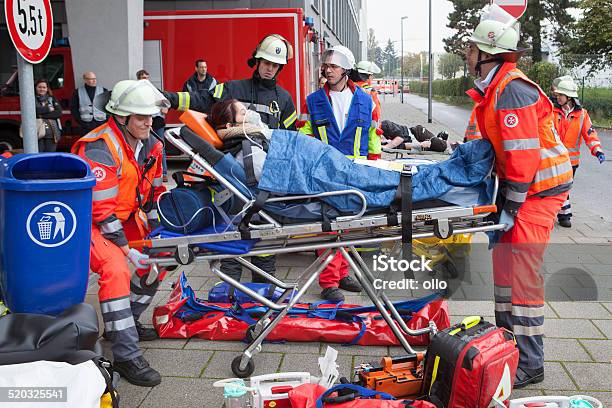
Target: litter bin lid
45 172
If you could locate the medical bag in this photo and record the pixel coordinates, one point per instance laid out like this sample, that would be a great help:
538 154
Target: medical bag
223 292
271 390
398 376
469 364
187 209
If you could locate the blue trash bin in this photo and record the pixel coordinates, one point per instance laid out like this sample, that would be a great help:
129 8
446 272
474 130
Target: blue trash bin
45 231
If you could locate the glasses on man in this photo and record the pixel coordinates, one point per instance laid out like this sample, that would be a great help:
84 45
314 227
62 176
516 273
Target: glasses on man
330 66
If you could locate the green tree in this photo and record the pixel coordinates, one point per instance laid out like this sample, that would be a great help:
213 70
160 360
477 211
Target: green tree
449 64
375 53
465 17
389 59
591 44
412 65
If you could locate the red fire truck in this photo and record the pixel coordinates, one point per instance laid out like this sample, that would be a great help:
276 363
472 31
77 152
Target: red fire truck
173 41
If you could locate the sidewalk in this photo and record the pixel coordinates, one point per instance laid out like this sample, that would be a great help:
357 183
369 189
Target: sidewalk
578 334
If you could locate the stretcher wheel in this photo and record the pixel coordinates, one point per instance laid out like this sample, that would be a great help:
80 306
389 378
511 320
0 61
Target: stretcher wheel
443 229
184 255
248 370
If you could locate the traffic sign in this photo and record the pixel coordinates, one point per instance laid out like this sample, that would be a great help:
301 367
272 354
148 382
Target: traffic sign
30 25
516 8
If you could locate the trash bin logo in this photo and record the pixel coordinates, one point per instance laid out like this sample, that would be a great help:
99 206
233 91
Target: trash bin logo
51 224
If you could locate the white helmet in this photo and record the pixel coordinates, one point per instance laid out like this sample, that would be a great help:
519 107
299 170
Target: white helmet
567 87
274 48
367 67
339 55
497 33
556 81
131 97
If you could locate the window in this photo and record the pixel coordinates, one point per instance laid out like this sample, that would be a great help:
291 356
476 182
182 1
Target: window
51 69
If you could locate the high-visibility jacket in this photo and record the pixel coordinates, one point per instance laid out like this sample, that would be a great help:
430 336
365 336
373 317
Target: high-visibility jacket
6 155
471 131
358 139
573 128
516 116
119 178
87 110
377 112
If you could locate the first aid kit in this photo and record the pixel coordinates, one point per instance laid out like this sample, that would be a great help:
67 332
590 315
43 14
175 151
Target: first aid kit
398 376
576 401
470 364
271 390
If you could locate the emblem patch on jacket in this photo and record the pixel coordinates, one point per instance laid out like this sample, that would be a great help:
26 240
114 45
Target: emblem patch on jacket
511 120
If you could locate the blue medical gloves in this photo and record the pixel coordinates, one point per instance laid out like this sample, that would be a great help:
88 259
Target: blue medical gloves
601 157
506 218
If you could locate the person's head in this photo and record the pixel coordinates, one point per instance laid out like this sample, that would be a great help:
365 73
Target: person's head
201 68
227 113
494 40
42 88
338 61
566 91
367 69
322 81
270 56
90 78
142 74
133 104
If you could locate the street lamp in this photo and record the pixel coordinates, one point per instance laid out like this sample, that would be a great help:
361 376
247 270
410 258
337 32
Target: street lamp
430 90
402 58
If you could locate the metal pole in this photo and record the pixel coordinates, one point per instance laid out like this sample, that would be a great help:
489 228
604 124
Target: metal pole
27 105
402 59
430 91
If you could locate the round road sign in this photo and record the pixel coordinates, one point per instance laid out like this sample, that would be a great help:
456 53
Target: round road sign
30 25
516 8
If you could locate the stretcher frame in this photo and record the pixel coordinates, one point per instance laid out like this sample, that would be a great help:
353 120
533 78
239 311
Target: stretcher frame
405 153
343 234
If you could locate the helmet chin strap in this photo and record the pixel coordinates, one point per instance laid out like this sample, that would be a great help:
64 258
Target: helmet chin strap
481 62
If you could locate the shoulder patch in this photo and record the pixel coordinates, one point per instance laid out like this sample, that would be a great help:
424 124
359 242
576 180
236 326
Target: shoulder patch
99 152
517 94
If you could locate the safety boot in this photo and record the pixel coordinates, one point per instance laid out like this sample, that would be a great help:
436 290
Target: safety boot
565 222
145 333
349 284
332 295
525 376
138 372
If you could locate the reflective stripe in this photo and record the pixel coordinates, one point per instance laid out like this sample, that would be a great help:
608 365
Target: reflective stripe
152 215
99 195
119 325
142 299
503 307
522 144
261 108
525 311
516 196
357 143
574 150
157 182
558 150
218 91
115 305
528 330
323 134
374 124
289 121
554 171
119 151
593 143
184 99
304 116
581 124
502 290
111 227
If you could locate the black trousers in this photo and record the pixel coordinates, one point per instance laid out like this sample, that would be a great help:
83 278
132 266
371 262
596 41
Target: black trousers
233 268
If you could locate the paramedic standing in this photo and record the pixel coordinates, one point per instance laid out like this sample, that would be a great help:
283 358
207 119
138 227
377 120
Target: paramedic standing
340 114
573 124
127 163
535 173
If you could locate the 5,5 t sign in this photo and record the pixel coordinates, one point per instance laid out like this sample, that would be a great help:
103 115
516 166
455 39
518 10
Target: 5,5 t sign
30 25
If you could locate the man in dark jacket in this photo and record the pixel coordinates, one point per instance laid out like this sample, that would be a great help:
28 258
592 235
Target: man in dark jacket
201 80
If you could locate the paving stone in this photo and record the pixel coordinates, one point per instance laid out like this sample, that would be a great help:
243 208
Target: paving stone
354 350
472 308
200 344
555 378
588 294
399 351
564 350
600 269
525 393
477 292
571 329
131 396
301 259
310 363
220 365
178 363
605 326
184 393
199 269
581 310
569 257
175 344
601 350
591 376
295 347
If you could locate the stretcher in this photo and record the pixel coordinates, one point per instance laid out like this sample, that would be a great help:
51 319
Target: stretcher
405 153
343 234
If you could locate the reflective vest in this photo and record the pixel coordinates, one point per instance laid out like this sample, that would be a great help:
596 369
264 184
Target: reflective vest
377 112
87 110
471 131
528 150
116 193
572 129
353 140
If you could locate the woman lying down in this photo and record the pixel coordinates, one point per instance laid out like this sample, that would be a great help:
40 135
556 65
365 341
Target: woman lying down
285 162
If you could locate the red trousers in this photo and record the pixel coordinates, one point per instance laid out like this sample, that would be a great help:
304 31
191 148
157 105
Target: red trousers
337 269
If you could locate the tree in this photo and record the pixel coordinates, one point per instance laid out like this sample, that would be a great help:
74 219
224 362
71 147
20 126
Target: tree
412 65
591 44
449 64
375 53
465 17
389 59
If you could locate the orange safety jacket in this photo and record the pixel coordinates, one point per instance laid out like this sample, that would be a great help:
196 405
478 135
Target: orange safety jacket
471 131
573 128
516 116
119 178
377 112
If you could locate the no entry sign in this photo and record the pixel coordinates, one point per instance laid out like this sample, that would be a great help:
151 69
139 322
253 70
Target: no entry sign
516 8
30 25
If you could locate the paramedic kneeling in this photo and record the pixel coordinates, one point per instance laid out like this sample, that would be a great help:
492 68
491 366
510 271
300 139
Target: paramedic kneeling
127 164
515 115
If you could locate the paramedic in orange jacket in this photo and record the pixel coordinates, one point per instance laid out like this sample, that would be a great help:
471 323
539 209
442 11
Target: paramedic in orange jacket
573 125
127 163
362 77
516 116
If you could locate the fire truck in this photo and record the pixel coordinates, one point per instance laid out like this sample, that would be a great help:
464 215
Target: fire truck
173 41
